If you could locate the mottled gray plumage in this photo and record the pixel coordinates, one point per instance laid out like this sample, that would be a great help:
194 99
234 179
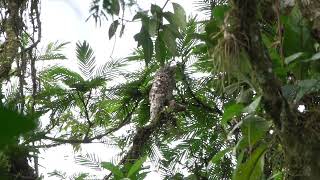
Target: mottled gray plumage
161 90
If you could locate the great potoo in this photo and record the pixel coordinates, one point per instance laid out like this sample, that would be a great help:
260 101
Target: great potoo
161 90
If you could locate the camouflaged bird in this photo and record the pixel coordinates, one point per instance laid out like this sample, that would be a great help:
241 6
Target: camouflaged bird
161 90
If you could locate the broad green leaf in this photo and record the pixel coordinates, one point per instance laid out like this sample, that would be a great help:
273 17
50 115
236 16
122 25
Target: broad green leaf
155 9
297 36
254 128
307 86
136 166
169 16
145 41
114 169
179 15
170 40
245 96
253 106
313 58
152 28
140 15
230 112
217 157
219 13
293 57
252 169
113 28
13 124
160 49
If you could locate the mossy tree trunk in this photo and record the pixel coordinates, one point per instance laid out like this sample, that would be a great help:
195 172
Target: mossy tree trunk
299 134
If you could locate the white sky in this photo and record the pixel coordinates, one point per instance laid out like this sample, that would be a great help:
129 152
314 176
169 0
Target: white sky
64 20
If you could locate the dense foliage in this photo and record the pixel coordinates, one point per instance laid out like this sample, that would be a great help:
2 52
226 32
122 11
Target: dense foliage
245 98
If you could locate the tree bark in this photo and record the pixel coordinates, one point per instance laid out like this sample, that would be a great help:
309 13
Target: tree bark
11 45
310 9
299 141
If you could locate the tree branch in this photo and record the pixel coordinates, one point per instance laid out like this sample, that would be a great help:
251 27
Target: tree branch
215 109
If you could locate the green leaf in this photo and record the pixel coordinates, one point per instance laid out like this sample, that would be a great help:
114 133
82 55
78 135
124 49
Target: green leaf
122 30
53 50
111 6
13 124
114 169
160 49
86 58
179 15
169 40
56 73
136 166
307 86
155 9
313 58
230 112
169 16
252 169
254 128
245 96
293 57
253 106
152 27
276 176
297 36
113 28
140 15
219 13
144 40
82 176
217 157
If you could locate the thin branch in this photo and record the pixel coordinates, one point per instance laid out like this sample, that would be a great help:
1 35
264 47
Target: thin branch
215 109
60 141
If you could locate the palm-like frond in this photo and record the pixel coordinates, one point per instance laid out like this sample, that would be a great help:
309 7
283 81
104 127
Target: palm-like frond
90 160
58 174
203 7
111 69
56 73
188 42
86 59
53 51
206 6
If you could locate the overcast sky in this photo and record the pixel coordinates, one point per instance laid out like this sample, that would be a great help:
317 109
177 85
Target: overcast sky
64 20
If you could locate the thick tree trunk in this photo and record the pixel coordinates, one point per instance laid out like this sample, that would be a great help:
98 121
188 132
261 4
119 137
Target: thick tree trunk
11 45
299 140
310 9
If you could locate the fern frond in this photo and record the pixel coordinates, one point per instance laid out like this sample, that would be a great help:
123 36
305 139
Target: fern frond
89 160
186 44
79 176
57 73
203 6
53 50
111 69
58 174
86 59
